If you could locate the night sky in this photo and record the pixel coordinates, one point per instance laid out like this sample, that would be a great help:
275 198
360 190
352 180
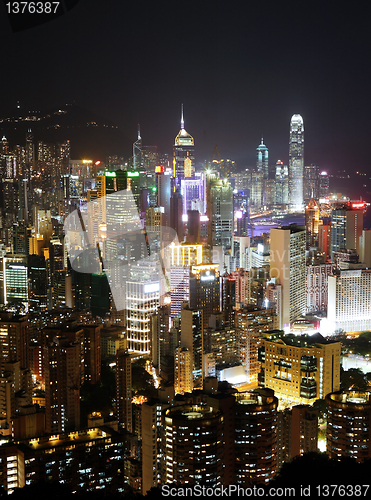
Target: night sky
240 68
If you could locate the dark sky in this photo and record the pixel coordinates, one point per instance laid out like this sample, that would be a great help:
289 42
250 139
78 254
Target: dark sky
241 69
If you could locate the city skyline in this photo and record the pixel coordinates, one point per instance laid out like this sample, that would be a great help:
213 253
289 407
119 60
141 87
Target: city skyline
241 86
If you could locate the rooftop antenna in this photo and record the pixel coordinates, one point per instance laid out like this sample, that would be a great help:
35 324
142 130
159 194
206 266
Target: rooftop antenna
182 119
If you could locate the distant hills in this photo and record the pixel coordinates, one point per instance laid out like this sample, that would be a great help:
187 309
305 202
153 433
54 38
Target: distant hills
90 135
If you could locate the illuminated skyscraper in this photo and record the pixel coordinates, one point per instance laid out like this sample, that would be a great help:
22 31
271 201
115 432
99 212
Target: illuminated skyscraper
183 154
324 185
282 183
287 264
296 161
137 152
311 182
346 227
123 390
204 290
311 223
348 425
262 159
192 337
255 437
193 446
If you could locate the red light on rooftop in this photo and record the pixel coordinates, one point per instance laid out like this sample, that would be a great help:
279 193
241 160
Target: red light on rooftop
358 205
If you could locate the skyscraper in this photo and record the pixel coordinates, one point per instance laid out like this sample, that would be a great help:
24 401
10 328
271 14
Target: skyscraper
346 227
348 425
183 154
262 159
288 266
311 223
296 161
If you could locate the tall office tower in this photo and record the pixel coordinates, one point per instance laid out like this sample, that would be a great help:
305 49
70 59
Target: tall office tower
317 287
346 226
142 300
262 167
193 446
255 437
176 212
163 196
163 344
300 368
348 425
288 267
297 433
150 159
60 288
273 293
30 152
256 190
179 288
23 201
365 247
311 182
324 187
192 338
14 282
241 251
296 161
193 226
183 370
311 223
282 183
194 194
183 155
204 290
20 240
324 239
228 296
137 152
92 353
37 283
154 228
184 254
14 339
123 390
252 322
349 300
151 444
220 213
61 368
262 159
4 145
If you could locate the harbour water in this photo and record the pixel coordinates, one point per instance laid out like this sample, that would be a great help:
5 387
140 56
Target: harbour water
266 223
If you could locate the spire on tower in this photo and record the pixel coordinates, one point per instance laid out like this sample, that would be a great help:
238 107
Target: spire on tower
139 132
262 141
182 119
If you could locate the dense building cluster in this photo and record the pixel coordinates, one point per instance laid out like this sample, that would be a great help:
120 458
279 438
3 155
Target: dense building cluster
210 299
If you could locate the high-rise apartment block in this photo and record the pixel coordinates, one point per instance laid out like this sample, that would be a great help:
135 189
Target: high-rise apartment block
297 433
317 287
193 446
255 437
348 425
123 390
287 265
349 300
